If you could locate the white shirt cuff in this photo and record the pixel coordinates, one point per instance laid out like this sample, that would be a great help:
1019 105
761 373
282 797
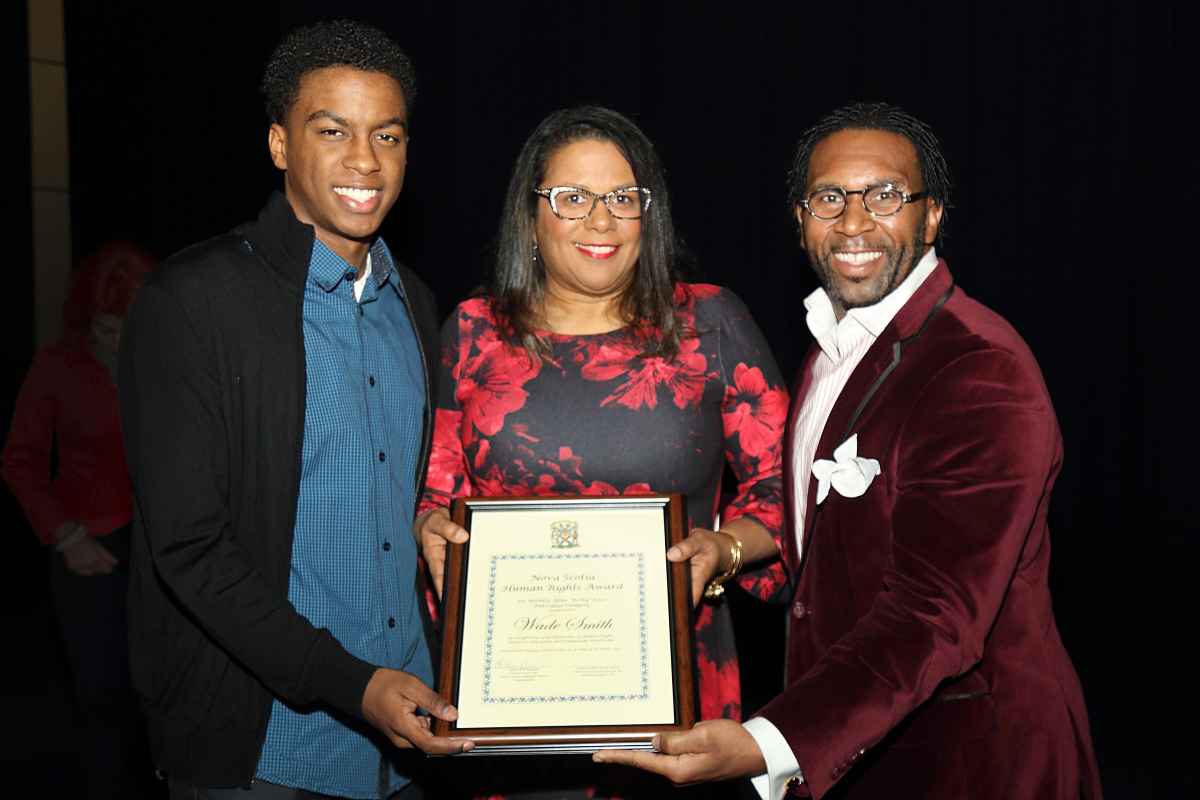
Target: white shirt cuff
781 762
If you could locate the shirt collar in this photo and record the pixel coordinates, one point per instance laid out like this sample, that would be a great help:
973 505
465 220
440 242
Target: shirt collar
833 335
327 269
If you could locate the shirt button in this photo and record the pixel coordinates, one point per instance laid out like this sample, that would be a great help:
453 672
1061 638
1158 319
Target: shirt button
391 622
799 610
371 380
382 456
351 275
387 546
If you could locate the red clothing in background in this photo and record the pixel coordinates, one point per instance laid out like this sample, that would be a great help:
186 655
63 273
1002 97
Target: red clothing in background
68 403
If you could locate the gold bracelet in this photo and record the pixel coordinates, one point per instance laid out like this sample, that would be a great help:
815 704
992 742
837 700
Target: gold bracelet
714 589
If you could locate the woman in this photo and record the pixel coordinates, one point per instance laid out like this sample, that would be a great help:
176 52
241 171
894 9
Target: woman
590 369
65 463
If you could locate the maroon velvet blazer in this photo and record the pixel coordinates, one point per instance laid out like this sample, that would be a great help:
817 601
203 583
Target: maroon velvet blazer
923 656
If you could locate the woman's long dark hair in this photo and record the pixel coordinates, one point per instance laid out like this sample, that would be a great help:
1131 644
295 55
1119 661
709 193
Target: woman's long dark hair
519 280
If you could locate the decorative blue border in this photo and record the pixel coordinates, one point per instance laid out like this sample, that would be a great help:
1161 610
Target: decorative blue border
491 618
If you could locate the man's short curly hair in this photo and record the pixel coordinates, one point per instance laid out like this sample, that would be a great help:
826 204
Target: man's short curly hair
336 43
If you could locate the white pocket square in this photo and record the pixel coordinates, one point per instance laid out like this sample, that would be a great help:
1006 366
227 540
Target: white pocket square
847 473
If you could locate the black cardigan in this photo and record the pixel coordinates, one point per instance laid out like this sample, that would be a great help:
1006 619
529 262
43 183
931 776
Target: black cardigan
212 388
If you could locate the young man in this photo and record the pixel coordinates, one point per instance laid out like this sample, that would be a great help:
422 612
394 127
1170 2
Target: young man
923 657
275 403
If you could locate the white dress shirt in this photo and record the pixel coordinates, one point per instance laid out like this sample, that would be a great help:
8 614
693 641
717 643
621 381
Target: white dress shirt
843 344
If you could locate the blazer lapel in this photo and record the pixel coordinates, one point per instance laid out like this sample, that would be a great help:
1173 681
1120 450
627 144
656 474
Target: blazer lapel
862 380
799 392
871 375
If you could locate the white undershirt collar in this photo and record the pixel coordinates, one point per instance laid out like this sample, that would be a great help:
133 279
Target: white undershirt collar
361 281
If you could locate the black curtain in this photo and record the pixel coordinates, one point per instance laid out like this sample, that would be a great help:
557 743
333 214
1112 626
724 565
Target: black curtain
1044 112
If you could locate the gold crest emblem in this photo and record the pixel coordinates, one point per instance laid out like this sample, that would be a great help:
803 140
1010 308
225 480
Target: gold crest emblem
564 533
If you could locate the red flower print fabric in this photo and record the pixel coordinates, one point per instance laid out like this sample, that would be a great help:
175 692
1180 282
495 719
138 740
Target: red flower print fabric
755 412
489 385
600 418
684 375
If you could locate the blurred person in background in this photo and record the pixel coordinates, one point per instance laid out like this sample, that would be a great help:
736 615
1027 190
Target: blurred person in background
65 463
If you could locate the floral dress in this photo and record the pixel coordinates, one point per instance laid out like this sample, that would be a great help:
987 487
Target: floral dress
598 418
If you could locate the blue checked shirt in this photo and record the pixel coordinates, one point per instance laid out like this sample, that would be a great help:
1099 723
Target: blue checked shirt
354 559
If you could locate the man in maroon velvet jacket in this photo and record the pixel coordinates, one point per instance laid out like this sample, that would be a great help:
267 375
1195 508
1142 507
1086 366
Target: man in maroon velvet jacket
923 656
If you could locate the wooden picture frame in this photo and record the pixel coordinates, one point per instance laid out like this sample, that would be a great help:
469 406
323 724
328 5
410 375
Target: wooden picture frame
565 628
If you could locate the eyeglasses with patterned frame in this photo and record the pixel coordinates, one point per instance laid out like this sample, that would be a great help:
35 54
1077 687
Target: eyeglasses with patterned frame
882 200
574 202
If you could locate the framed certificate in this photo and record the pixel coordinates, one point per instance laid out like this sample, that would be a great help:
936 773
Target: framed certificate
566 628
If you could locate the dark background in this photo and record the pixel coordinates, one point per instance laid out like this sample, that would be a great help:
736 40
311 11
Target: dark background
1045 114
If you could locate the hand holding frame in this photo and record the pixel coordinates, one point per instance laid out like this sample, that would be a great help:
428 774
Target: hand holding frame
714 750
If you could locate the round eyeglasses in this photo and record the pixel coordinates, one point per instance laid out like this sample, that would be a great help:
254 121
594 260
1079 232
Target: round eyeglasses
572 202
883 200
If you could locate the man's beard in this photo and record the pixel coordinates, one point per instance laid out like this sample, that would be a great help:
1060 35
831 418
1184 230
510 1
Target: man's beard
899 265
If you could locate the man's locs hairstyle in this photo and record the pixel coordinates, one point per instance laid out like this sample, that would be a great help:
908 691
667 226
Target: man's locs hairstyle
935 172
337 43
